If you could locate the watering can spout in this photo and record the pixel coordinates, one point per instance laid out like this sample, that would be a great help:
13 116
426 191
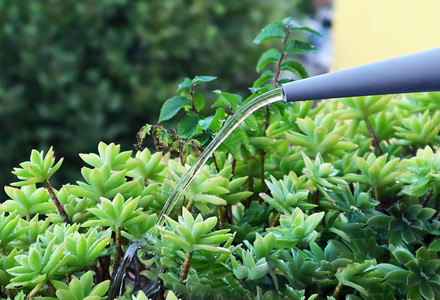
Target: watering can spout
418 72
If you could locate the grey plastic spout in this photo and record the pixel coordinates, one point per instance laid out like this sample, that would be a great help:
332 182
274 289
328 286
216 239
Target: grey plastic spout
418 72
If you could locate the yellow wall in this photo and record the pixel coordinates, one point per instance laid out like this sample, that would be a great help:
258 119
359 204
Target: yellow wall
371 30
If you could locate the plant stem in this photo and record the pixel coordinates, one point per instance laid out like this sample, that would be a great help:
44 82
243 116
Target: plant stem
266 121
190 205
221 217
337 290
215 162
315 199
12 293
35 290
376 194
437 216
118 245
248 201
233 164
276 220
373 136
186 265
104 263
191 94
229 215
57 202
277 75
427 198
52 289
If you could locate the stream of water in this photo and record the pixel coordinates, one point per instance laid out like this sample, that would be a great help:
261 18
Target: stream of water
236 119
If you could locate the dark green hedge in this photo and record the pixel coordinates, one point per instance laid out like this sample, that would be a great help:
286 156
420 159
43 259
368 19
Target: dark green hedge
74 72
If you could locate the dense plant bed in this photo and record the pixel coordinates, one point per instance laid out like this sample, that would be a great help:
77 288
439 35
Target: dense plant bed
334 201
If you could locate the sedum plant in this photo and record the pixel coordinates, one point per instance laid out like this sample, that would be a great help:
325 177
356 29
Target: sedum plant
333 200
193 235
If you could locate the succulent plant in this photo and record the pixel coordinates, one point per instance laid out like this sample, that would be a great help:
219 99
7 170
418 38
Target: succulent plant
419 130
322 135
38 169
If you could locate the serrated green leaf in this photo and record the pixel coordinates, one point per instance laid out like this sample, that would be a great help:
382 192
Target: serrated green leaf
226 99
185 85
270 55
202 79
298 46
263 78
206 122
199 101
305 28
294 67
270 32
171 107
187 127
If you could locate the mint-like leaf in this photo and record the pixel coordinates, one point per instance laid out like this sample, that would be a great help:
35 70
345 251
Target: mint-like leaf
185 85
199 101
263 78
305 28
202 79
270 32
267 57
298 46
187 127
226 99
206 122
171 107
295 67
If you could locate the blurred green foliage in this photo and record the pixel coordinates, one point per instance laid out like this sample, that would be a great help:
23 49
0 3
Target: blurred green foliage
74 72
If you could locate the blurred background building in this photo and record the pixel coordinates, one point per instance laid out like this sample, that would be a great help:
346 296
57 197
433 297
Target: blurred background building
373 30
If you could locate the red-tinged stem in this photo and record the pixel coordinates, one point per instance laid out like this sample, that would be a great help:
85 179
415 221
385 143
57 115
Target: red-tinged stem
277 75
57 202
186 266
233 163
374 140
191 94
190 204
316 197
266 122
215 162
276 220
